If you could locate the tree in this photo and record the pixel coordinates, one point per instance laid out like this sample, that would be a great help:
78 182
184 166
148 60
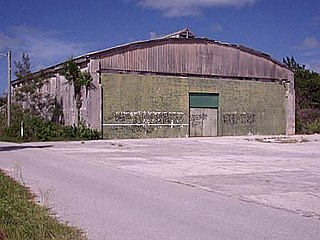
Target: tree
79 80
2 101
307 88
292 64
307 84
30 94
23 68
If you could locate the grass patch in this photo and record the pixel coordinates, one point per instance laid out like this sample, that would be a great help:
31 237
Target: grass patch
22 219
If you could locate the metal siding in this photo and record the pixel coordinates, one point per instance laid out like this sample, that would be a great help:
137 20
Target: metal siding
202 58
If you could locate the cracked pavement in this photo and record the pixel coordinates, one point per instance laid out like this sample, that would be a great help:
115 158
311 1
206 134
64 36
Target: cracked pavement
281 172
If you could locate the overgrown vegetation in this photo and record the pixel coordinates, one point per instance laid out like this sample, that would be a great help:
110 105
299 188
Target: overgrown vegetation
307 88
35 113
2 101
22 219
36 128
29 95
78 80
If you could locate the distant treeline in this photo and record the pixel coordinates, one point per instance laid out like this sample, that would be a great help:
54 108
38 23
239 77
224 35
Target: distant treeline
307 87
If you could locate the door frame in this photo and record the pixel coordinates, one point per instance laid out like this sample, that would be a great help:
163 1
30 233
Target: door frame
215 104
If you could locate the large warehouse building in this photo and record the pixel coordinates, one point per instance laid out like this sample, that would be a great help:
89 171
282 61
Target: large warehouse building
179 86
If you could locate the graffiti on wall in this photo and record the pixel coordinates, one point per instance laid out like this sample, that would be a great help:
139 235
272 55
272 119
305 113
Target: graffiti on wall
145 121
197 119
134 128
238 118
148 117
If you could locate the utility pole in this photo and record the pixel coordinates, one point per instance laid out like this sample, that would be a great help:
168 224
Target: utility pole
8 56
9 91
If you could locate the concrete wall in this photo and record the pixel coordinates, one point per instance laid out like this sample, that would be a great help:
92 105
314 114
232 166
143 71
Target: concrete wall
140 106
290 105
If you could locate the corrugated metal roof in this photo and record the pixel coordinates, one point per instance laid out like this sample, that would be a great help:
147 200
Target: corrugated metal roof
172 37
182 36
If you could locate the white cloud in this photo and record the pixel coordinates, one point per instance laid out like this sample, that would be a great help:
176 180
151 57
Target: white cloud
44 47
316 21
309 43
179 8
6 40
309 49
216 28
315 66
153 35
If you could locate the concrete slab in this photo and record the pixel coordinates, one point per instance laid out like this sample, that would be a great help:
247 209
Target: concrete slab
281 172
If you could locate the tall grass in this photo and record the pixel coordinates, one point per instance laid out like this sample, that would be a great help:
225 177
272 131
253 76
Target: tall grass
22 219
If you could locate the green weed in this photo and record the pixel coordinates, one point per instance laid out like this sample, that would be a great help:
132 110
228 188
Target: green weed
22 219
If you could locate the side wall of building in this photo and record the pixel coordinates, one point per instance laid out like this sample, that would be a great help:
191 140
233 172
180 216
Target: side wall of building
290 105
140 106
65 111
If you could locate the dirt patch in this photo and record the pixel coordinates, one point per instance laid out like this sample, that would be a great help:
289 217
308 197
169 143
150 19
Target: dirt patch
281 140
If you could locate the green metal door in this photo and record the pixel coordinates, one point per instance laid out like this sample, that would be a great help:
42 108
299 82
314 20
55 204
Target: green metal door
203 120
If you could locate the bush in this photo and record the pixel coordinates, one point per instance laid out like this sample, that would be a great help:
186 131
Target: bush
313 127
81 132
36 128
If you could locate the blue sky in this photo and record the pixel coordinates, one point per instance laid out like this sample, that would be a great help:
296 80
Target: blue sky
51 31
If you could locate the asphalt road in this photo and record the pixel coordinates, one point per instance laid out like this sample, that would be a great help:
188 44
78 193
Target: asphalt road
114 204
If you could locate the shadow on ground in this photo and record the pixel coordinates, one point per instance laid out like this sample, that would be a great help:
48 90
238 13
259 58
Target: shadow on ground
17 147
